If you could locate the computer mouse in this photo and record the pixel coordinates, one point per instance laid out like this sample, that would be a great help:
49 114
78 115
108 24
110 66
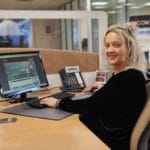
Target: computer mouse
36 104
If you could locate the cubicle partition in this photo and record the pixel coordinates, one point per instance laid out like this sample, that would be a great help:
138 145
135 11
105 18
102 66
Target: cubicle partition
54 60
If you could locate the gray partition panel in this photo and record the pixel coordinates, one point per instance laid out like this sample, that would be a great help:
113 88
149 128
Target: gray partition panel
45 113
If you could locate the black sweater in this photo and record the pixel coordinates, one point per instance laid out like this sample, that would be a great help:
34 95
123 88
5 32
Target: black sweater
118 103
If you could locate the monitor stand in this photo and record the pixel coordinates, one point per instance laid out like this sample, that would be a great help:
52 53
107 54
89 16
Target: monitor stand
22 98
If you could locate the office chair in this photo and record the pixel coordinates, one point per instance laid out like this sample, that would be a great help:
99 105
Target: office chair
140 138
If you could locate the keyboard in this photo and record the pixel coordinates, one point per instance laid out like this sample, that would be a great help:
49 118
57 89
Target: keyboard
36 103
62 95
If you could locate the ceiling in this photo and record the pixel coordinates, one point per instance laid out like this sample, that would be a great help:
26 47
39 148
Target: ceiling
111 6
55 4
119 4
32 4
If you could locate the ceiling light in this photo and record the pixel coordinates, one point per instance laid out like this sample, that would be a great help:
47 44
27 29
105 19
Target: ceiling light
129 4
121 1
136 7
147 4
99 3
99 7
119 6
111 12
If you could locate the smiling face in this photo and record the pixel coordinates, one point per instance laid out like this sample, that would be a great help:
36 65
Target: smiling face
116 51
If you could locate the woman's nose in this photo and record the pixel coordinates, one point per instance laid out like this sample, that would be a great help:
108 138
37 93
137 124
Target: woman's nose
110 49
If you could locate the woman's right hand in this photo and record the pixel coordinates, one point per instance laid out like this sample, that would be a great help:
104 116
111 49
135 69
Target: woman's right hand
49 101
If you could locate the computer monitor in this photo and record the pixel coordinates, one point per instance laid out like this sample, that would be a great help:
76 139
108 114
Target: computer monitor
20 73
13 41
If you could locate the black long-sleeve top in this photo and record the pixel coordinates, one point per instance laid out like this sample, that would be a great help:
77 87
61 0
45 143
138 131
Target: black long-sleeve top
118 103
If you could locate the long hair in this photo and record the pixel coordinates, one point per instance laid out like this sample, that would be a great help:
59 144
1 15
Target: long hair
135 55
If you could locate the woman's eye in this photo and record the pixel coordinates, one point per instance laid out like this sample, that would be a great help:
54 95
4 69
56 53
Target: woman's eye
106 45
116 45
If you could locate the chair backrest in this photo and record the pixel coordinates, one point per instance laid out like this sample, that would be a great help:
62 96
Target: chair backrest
144 141
141 131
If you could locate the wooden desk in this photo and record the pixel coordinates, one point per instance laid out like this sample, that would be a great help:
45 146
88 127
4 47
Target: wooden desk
36 134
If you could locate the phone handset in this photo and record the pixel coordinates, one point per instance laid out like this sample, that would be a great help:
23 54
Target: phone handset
64 78
79 79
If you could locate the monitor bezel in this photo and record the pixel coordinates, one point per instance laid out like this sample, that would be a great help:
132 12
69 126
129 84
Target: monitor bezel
18 92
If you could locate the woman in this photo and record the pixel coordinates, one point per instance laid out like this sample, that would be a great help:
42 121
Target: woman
112 111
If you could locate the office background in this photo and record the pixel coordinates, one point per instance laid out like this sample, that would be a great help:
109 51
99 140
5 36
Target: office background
77 34
61 34
71 34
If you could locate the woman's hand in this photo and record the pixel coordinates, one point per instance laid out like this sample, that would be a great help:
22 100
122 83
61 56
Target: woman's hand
49 101
95 87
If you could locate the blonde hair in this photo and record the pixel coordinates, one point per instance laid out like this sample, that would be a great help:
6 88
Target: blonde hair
135 55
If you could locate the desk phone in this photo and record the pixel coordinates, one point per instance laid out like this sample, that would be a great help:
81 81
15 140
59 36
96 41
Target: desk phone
72 79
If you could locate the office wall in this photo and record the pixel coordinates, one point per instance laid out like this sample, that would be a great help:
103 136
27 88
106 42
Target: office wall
46 33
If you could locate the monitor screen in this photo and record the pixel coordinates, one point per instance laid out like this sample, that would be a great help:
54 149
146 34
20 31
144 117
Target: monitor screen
21 72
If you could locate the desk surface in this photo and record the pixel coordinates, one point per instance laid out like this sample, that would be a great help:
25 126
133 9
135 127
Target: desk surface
36 134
